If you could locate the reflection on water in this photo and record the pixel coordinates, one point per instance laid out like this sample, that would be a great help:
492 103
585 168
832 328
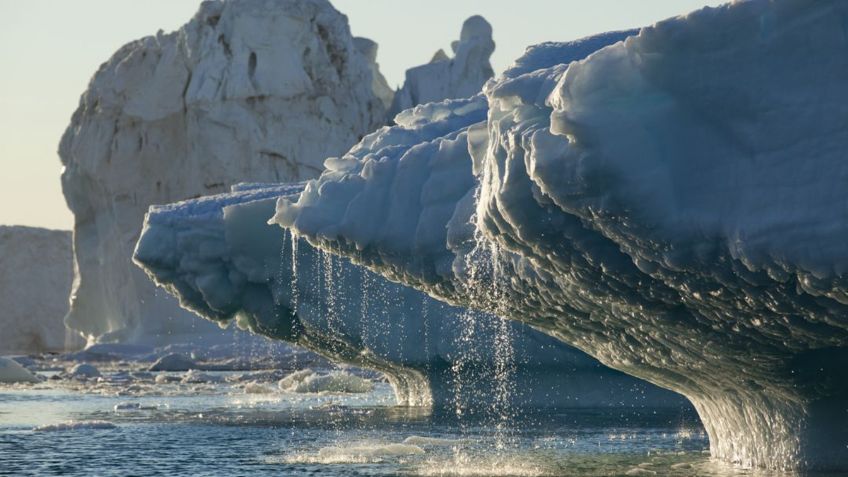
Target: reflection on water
223 426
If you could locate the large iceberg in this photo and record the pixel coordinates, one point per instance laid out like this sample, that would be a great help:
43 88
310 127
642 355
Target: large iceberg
672 205
225 262
247 90
36 270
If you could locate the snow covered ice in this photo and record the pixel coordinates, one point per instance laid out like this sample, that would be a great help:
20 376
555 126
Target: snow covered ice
671 205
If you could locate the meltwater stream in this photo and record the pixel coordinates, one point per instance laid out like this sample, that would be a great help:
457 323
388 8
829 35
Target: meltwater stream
132 422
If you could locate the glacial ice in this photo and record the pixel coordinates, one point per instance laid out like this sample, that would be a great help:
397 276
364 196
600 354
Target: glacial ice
444 77
247 90
33 260
224 261
672 205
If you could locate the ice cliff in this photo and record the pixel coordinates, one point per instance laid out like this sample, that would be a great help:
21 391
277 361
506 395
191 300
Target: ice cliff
36 270
225 262
246 90
444 77
672 205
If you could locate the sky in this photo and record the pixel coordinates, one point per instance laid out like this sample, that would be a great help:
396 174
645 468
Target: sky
50 49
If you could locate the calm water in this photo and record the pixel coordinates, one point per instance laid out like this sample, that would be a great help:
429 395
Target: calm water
213 427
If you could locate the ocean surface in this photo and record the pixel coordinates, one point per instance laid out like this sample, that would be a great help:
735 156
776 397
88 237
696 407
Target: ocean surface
242 424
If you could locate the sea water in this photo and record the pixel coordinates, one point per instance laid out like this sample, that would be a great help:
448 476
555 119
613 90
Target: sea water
228 423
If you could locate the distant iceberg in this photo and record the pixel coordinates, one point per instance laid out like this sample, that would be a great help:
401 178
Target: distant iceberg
447 77
36 271
244 91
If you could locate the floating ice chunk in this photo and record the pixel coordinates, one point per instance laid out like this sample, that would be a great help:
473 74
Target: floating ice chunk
194 376
308 381
84 371
173 362
12 372
75 426
166 378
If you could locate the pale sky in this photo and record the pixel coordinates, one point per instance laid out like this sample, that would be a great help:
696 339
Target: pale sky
49 50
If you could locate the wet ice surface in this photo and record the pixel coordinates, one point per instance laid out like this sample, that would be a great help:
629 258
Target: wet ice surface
130 421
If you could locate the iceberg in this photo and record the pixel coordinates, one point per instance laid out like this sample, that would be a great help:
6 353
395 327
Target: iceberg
245 91
36 270
671 205
447 77
223 261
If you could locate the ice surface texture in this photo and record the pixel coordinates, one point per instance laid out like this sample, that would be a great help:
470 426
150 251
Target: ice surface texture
672 205
246 90
36 270
225 262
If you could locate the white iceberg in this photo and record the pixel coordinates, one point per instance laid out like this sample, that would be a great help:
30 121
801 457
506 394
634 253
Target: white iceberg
308 381
11 372
672 205
84 371
247 90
